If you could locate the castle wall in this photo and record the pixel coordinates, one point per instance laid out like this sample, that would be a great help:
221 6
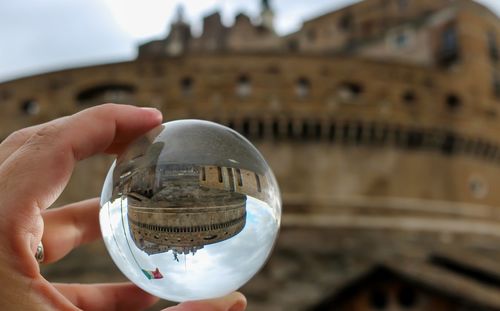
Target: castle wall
374 109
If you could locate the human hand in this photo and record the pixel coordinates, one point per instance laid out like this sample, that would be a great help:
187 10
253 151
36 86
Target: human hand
35 166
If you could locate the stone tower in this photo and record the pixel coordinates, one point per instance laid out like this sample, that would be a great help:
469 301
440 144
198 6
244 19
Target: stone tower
267 15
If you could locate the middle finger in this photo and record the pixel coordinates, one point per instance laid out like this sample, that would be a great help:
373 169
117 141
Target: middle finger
68 227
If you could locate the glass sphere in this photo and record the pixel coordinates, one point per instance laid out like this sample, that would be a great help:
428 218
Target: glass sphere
190 211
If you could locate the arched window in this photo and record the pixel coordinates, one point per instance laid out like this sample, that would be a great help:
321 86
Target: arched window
303 87
493 46
453 102
449 49
345 23
409 97
350 91
244 86
116 93
30 107
311 35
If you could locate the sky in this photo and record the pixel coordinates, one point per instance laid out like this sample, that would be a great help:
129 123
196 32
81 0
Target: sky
38 36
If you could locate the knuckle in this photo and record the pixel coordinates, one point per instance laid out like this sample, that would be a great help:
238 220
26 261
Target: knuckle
46 134
18 137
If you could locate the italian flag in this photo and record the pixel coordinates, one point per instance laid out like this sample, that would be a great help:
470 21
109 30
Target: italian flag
156 274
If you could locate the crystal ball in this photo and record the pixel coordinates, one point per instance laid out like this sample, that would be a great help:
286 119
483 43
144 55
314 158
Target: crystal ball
190 211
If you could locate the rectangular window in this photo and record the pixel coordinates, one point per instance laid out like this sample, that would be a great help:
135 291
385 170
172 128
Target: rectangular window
492 46
230 178
219 173
449 50
238 176
203 174
496 84
257 181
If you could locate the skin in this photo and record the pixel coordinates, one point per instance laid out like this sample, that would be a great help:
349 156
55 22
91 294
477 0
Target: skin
35 166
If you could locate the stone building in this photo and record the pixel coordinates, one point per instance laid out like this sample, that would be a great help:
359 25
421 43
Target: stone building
380 121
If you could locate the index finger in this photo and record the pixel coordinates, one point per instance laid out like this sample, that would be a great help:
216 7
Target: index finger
37 172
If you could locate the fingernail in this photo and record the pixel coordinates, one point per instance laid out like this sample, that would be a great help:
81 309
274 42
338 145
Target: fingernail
239 305
155 111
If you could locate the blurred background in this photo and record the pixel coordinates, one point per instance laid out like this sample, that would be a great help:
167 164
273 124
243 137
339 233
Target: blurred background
380 119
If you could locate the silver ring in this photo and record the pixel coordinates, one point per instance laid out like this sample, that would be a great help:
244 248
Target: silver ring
39 255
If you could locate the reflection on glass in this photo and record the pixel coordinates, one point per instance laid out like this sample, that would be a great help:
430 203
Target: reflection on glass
190 211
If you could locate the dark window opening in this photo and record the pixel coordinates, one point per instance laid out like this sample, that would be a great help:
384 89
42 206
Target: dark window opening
415 139
493 46
238 176
276 129
496 85
367 28
359 133
372 133
5 95
117 93
378 299
293 45
449 50
305 129
383 134
244 87
257 181
290 130
409 97
318 130
230 178
260 129
219 173
492 152
453 102
203 174
487 150
187 86
448 146
332 132
478 148
399 137
303 87
311 35
346 22
246 127
350 90
345 133
30 107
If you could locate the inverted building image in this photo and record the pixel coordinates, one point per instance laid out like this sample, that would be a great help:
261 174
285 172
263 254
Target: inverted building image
182 208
